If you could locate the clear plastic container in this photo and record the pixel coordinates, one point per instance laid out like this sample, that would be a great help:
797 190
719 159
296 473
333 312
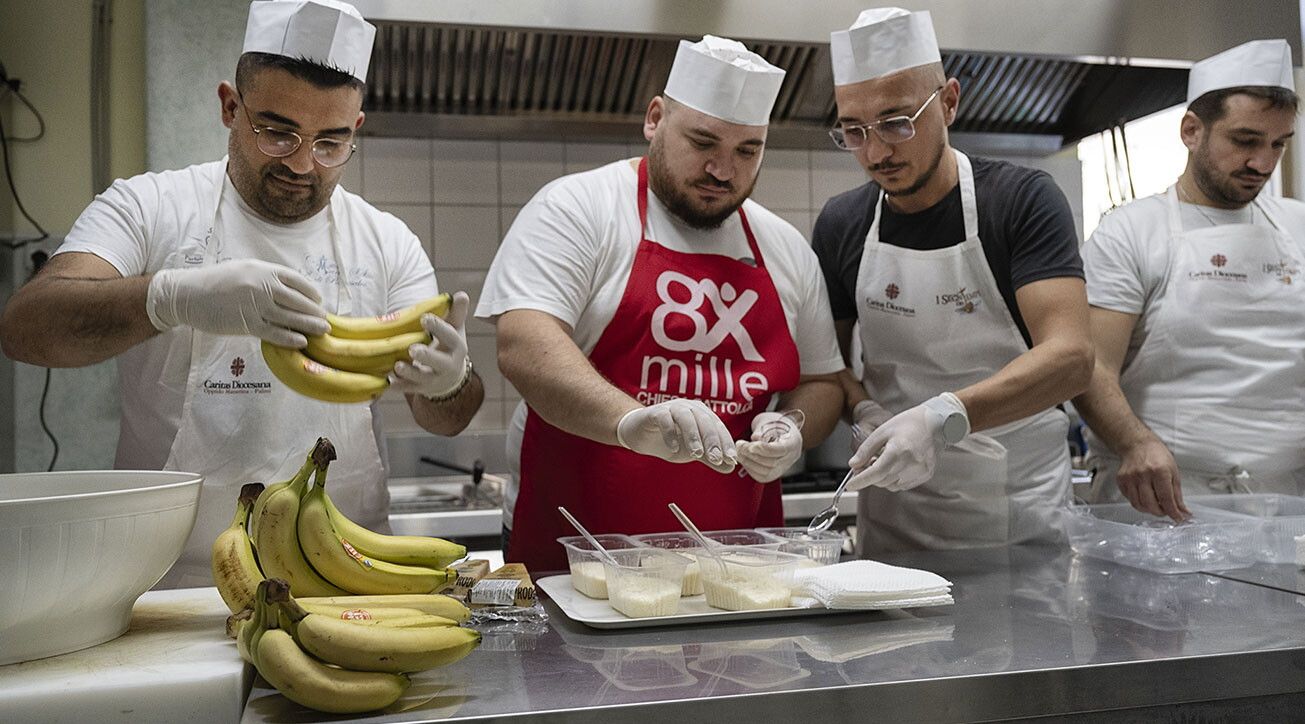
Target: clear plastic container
748 578
1212 540
1283 518
681 543
646 582
745 537
824 547
587 574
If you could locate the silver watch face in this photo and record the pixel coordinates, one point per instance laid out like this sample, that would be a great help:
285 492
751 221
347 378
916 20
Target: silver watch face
954 428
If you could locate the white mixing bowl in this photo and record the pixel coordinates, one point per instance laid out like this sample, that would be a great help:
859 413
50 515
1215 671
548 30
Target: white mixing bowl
78 548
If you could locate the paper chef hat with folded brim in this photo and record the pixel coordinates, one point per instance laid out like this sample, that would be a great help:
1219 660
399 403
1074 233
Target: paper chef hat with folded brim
1257 63
325 32
882 41
725 80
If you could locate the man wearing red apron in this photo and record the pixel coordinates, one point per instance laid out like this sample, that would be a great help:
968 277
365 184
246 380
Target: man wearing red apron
649 315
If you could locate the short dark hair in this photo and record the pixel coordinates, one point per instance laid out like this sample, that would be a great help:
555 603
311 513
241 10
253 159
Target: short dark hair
1210 107
322 76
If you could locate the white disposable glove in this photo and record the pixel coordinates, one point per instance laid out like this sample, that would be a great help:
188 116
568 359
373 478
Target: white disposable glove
907 446
867 416
679 431
440 369
775 445
245 296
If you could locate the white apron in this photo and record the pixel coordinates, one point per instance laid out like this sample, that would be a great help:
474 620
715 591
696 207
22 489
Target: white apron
1221 379
935 321
239 424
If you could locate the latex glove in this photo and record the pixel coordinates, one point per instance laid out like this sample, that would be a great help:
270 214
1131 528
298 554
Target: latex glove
679 431
440 369
1148 477
766 460
907 446
245 296
867 416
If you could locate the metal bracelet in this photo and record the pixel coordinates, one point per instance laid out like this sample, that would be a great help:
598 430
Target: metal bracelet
457 389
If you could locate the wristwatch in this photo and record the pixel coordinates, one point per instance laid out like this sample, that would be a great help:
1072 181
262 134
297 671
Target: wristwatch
955 424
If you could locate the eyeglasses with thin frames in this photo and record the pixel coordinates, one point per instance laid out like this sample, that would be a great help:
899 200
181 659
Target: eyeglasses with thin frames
278 143
889 130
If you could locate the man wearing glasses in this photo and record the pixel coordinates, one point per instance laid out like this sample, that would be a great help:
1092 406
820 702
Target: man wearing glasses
179 274
965 278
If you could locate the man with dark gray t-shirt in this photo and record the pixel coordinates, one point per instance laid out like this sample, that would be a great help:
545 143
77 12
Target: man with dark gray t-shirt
965 279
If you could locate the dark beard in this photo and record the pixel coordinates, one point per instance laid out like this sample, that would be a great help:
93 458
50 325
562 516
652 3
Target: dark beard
924 177
1218 190
256 188
679 203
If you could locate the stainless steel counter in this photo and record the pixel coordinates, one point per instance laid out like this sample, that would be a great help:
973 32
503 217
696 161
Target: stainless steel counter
1034 632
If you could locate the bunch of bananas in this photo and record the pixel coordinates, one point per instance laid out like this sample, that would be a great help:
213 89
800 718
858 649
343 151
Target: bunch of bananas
342 666
297 534
366 611
351 362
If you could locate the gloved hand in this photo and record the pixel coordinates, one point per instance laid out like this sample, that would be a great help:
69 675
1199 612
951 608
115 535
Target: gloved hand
766 460
245 296
440 369
867 416
907 446
679 431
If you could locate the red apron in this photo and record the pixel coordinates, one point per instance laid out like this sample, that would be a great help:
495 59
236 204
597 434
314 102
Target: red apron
693 326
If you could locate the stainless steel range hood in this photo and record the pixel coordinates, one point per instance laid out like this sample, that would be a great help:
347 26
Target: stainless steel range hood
1035 74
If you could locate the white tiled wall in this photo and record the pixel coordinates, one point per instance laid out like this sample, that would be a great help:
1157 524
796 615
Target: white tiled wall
460 198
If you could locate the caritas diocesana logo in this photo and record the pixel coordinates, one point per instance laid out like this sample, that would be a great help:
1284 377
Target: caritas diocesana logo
219 385
886 305
1219 260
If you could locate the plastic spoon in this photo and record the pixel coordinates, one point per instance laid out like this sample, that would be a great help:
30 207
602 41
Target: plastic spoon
707 544
825 518
592 540
821 521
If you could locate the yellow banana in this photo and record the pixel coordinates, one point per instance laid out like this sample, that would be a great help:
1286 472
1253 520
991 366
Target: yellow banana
369 356
388 325
363 613
340 563
235 569
248 631
307 681
276 536
416 550
314 379
437 604
383 648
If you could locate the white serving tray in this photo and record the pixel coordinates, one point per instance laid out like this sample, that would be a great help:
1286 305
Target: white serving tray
693 609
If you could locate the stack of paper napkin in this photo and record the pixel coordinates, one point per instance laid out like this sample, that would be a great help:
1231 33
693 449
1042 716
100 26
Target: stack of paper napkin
869 584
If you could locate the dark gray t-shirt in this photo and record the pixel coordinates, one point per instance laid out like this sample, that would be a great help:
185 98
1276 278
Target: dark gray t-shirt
1025 225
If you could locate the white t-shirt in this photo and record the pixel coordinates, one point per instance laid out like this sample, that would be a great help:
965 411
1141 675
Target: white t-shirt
570 251
1127 257
161 220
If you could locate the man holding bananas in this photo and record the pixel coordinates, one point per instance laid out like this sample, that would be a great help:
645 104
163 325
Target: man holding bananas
648 332
179 274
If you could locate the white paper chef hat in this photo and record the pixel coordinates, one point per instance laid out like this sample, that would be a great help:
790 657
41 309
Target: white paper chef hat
880 42
326 32
722 78
1257 63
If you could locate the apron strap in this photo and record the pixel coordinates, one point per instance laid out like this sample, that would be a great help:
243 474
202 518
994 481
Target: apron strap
643 215
969 207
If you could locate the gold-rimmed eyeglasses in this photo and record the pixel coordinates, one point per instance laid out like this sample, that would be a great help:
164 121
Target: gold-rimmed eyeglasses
889 130
279 143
